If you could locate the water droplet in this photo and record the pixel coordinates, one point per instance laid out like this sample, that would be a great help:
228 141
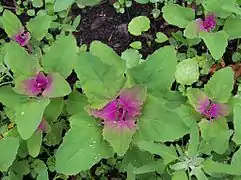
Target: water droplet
94 142
22 113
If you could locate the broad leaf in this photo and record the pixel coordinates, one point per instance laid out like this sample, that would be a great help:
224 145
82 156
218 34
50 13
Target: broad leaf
157 72
9 148
54 109
107 55
216 134
151 167
236 159
216 43
233 28
61 5
39 25
76 102
179 175
84 3
59 87
83 146
9 98
100 81
194 140
157 120
220 86
34 143
237 123
119 138
167 153
20 61
29 116
11 24
177 15
187 72
61 56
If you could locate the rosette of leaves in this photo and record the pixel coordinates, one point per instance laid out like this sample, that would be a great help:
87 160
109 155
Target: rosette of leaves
36 100
106 82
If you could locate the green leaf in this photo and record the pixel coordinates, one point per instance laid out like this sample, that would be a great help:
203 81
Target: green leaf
187 72
39 25
136 157
20 61
34 143
108 56
54 137
138 25
233 28
151 167
118 138
157 120
161 37
162 63
64 62
11 23
215 6
179 175
236 159
194 140
100 81
61 5
192 30
83 146
220 86
9 148
216 134
59 87
54 109
29 116
237 123
132 58
84 3
75 102
216 167
177 15
9 98
216 43
167 153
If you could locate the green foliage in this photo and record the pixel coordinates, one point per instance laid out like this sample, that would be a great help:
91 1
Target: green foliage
177 15
9 147
138 25
83 146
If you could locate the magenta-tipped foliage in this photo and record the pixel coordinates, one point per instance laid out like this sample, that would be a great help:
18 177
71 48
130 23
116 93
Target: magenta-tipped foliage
22 38
37 85
123 111
208 24
43 126
205 106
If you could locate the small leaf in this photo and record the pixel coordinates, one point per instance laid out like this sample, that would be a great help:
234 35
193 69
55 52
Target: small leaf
34 143
76 102
151 167
167 153
180 175
132 57
161 37
192 30
39 25
194 140
29 116
220 86
83 146
187 72
216 43
138 25
11 24
9 148
177 15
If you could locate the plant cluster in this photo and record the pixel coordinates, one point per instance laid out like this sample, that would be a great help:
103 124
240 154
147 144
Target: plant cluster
175 114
